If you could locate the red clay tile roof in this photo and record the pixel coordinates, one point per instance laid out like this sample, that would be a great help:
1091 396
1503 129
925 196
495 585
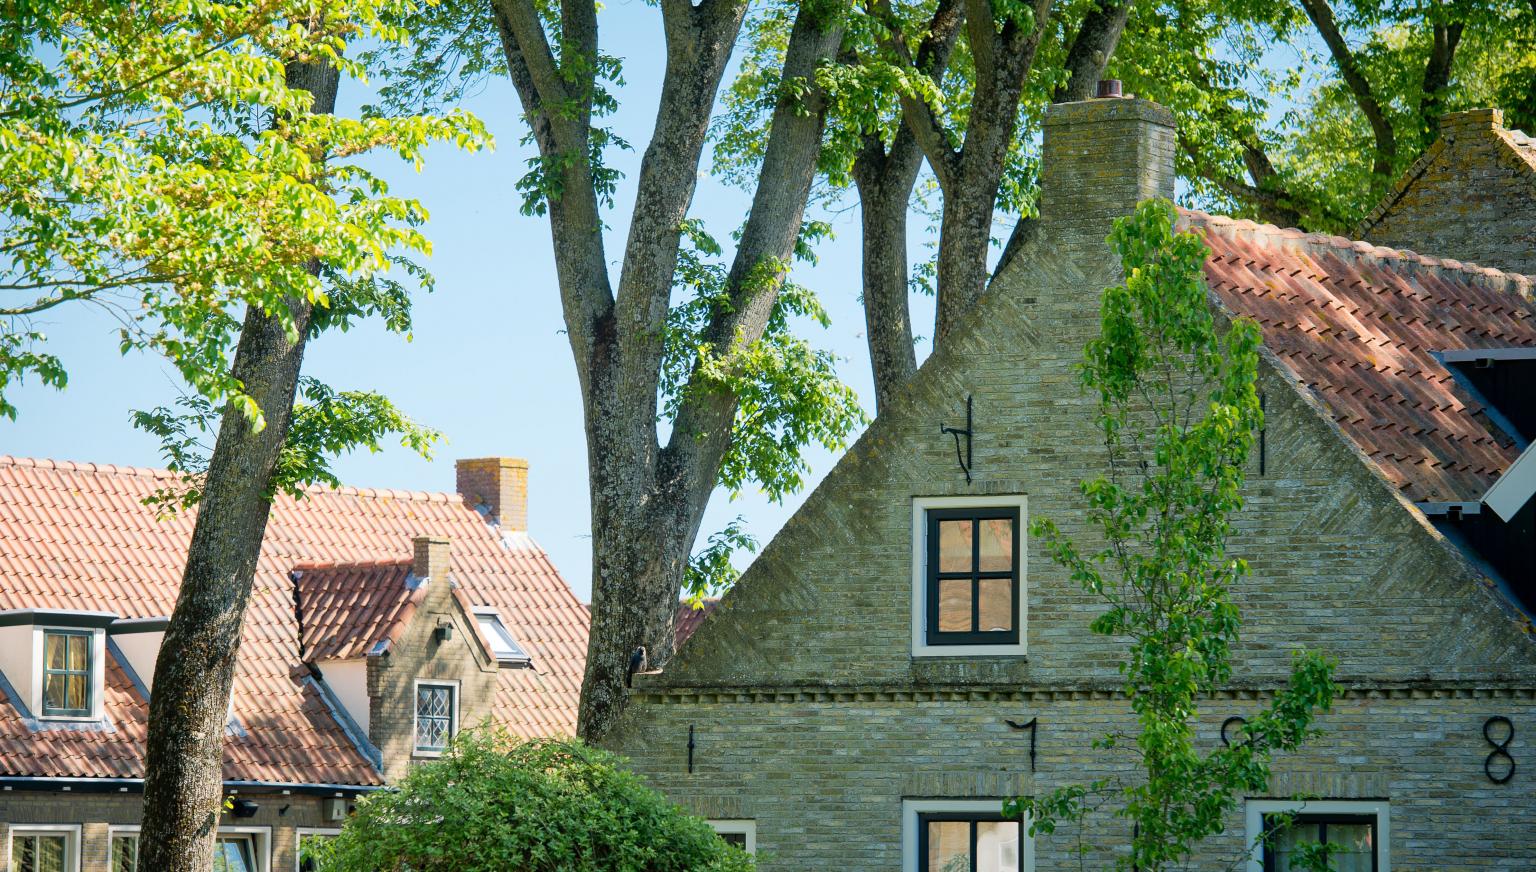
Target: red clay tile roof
76 536
1358 326
345 610
689 618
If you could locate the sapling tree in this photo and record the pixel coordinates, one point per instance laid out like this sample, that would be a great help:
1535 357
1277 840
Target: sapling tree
1178 410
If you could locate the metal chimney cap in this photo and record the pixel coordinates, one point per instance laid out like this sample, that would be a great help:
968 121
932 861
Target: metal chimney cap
1108 88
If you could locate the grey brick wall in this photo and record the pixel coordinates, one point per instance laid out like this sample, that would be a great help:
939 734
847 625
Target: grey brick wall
812 716
1471 197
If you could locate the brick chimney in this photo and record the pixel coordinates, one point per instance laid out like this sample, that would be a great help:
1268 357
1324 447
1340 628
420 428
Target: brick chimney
1452 123
497 486
429 559
1101 157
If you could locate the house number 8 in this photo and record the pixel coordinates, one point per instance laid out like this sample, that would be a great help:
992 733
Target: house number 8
1500 749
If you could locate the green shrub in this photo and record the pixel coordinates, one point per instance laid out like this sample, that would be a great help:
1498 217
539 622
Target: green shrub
496 805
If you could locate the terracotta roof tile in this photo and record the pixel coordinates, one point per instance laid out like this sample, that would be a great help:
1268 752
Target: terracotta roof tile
1359 325
78 536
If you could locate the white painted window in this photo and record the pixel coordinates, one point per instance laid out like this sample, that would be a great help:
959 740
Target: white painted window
235 849
963 835
310 840
70 678
243 849
969 584
123 849
739 832
1356 833
437 716
44 848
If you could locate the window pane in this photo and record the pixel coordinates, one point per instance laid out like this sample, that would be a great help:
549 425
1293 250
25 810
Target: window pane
737 839
76 691
56 645
233 854
997 545
996 605
78 652
125 853
1349 847
997 846
1290 840
954 605
949 846
38 853
955 546
55 692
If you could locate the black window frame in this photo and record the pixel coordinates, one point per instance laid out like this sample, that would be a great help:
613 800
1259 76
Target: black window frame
933 576
973 818
88 674
1271 826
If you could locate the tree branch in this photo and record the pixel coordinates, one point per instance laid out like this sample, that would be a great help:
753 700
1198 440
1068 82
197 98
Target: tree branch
1437 76
702 428
1094 45
1381 128
931 134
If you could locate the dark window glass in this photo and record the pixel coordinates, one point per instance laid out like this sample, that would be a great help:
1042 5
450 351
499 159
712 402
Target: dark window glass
125 853
968 842
1348 840
234 854
39 852
737 839
973 576
434 716
66 673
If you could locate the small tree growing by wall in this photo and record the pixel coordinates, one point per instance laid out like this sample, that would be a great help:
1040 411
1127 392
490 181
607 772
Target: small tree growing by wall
494 805
1178 410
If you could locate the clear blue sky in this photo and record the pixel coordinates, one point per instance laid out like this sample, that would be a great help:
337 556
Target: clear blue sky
489 365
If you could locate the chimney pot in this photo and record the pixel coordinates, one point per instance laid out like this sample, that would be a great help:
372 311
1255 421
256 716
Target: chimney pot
1108 88
429 557
496 486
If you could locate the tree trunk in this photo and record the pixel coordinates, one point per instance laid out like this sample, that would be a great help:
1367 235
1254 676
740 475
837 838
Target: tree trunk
1095 43
194 675
1437 77
648 503
885 183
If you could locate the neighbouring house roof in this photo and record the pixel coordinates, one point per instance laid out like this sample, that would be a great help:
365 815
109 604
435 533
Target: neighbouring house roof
1359 326
689 618
77 536
349 610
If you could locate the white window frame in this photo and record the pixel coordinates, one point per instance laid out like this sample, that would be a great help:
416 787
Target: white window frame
261 841
920 507
911 808
98 669
1258 808
119 830
453 718
738 827
298 840
71 833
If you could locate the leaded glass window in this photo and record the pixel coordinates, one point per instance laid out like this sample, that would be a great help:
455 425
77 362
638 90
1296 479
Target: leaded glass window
434 716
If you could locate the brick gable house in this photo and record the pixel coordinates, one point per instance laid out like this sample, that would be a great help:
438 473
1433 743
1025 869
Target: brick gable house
380 623
900 657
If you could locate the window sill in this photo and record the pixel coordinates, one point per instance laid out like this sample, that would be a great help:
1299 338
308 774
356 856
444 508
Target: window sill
926 651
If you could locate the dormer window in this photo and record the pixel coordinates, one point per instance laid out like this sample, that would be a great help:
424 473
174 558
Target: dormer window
67 673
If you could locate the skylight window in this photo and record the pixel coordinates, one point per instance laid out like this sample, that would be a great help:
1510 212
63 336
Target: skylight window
506 649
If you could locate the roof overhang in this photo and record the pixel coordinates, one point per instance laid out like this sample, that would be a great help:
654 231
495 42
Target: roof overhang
56 618
138 625
136 785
